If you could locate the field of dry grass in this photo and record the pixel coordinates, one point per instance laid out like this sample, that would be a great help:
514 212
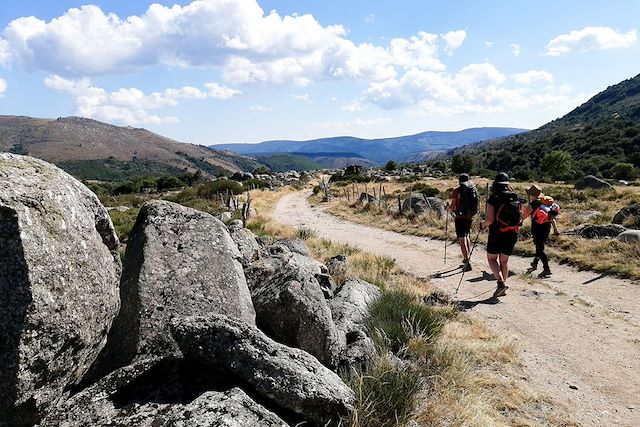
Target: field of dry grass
602 255
467 375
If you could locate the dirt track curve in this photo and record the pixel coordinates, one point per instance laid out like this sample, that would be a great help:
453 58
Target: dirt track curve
578 331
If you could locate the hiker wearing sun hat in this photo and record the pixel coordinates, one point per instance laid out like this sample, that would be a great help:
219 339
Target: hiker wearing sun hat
542 210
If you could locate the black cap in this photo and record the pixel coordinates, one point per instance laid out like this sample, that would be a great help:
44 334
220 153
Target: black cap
464 177
501 177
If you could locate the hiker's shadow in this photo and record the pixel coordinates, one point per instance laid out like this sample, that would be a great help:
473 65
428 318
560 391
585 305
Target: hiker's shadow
468 305
484 277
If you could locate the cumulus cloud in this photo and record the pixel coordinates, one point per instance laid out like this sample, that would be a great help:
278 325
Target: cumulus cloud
478 88
353 106
533 76
3 87
489 44
590 38
219 91
515 49
453 40
301 97
370 18
235 35
129 105
5 53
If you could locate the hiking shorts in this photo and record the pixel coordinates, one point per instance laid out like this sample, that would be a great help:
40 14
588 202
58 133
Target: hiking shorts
463 227
501 243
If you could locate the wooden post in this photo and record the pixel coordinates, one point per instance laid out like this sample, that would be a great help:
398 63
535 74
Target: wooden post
399 204
374 193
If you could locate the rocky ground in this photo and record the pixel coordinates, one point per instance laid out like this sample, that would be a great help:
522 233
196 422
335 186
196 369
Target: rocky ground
578 331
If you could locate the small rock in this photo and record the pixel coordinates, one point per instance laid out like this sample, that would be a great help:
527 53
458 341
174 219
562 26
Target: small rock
572 387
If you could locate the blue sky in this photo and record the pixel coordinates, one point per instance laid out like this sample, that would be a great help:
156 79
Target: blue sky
213 71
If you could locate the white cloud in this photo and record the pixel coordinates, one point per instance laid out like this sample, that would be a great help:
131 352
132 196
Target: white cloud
533 76
349 126
219 91
129 105
370 18
353 106
260 108
477 88
590 38
234 35
302 97
515 49
5 52
3 86
453 40
489 44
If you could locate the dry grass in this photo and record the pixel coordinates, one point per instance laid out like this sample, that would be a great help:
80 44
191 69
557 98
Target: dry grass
467 376
605 255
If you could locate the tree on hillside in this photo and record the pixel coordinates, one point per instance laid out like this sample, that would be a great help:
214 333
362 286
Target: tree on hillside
462 163
556 164
391 166
624 171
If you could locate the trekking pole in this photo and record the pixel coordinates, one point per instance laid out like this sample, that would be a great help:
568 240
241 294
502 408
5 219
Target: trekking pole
446 233
475 243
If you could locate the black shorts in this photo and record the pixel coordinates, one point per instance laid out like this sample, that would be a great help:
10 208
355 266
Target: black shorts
463 227
501 243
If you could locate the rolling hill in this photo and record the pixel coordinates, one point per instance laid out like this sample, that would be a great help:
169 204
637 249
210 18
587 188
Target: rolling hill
376 151
599 134
90 149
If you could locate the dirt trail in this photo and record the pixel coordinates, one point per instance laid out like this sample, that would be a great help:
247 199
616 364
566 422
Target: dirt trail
578 331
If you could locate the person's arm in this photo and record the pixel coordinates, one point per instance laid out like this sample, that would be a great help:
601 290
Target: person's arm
451 206
490 216
555 228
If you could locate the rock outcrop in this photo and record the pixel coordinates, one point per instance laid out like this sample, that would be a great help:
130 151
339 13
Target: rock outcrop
247 245
162 392
59 274
350 311
179 262
591 181
628 216
295 245
422 205
629 236
597 231
291 308
289 377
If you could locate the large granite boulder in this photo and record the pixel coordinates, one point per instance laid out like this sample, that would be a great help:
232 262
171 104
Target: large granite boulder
289 377
597 231
59 274
161 392
421 205
591 181
179 262
247 245
350 311
628 216
295 245
291 308
629 236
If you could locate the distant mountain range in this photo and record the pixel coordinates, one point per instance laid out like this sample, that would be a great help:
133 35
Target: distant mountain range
90 149
376 151
599 134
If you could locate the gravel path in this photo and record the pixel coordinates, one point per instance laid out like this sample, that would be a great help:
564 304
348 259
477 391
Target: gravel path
578 331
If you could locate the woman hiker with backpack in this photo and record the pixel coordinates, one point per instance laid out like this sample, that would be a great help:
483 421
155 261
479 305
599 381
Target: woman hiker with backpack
503 218
464 203
542 210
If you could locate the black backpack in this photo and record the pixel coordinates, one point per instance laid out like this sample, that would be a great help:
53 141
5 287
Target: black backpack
468 200
508 215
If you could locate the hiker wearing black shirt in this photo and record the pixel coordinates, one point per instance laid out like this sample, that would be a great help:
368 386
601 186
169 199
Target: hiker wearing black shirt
542 211
464 204
503 220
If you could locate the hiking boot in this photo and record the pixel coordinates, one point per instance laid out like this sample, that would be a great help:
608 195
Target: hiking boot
545 273
501 290
466 267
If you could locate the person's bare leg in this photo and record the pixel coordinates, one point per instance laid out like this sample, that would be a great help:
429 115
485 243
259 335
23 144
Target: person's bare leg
464 248
495 267
504 266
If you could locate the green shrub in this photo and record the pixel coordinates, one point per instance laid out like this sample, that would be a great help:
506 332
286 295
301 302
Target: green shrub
397 315
386 394
211 189
425 189
305 233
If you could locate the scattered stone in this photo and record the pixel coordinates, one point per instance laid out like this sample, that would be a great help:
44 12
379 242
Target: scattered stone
573 387
179 262
591 181
162 393
597 231
629 236
628 216
337 267
581 216
422 205
224 216
235 225
368 198
59 274
289 377
296 245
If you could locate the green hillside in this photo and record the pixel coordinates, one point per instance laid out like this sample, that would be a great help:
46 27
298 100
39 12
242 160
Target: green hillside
600 137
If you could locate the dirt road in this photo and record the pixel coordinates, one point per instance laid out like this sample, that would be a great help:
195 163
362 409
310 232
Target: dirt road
578 331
